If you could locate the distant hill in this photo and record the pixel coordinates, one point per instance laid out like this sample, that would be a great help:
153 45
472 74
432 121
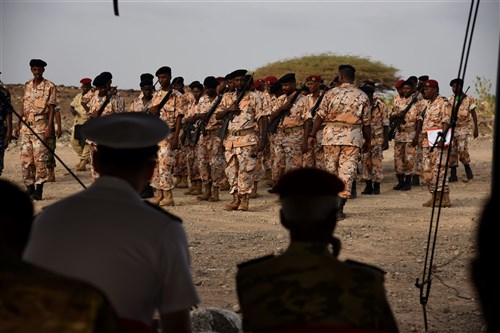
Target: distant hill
326 64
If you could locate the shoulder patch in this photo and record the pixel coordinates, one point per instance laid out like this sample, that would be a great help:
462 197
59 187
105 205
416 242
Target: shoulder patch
255 261
361 264
158 208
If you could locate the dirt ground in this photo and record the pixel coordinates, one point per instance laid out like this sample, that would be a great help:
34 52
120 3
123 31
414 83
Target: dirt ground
389 230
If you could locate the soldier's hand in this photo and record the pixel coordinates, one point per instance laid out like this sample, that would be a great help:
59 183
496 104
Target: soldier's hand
233 108
414 142
174 143
154 110
366 147
310 142
58 133
262 144
48 133
476 133
385 145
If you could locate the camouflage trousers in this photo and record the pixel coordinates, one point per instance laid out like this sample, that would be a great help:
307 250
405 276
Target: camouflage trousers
372 164
210 154
460 150
287 152
82 152
259 167
405 158
34 156
180 164
92 150
315 158
419 158
431 169
192 163
51 161
241 162
162 176
342 161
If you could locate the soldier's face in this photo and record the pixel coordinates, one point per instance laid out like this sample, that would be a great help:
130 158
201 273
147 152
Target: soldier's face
289 87
429 92
457 89
86 88
239 82
197 92
147 91
179 87
37 72
103 90
407 90
164 80
312 86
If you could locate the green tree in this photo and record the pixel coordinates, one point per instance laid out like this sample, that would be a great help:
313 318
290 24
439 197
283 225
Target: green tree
326 64
485 101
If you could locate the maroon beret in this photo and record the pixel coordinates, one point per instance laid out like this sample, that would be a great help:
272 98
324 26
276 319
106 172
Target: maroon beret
431 84
86 81
313 78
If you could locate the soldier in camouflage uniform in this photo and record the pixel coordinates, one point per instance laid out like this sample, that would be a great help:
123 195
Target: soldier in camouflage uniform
209 150
241 142
346 112
308 286
143 101
315 157
372 160
51 142
79 145
436 118
460 147
6 110
36 300
39 101
171 113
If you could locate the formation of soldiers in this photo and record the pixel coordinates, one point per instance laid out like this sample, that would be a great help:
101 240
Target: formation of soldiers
232 132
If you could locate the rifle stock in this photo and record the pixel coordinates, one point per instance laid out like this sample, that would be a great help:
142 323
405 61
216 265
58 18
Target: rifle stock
273 126
395 122
204 122
230 116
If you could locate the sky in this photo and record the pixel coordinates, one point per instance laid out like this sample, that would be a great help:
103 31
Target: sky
200 38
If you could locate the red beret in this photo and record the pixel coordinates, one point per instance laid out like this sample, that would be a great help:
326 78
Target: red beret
399 84
86 81
431 83
314 78
271 79
220 78
257 84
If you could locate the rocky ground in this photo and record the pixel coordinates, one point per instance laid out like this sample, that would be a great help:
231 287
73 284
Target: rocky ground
389 230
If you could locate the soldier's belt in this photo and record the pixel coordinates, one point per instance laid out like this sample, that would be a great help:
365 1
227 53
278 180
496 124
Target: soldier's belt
242 132
289 130
339 123
212 131
409 129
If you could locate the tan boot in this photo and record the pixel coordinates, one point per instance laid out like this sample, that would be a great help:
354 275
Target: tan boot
446 200
207 192
254 193
430 202
196 187
51 175
157 197
233 205
215 194
168 198
245 198
183 183
81 166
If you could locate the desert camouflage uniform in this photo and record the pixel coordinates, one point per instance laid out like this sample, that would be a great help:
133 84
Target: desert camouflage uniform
272 104
405 158
137 105
80 119
436 113
191 161
115 105
34 154
260 166
35 300
316 157
241 141
344 110
372 159
162 177
289 136
209 150
181 159
308 286
460 147
88 96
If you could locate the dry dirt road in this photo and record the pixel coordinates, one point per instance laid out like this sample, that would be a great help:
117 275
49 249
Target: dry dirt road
389 230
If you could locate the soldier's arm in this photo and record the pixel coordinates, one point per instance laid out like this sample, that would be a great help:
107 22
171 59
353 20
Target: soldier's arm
8 132
50 126
57 116
474 119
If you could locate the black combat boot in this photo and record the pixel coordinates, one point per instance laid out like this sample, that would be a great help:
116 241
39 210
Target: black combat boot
406 184
453 175
368 188
30 189
147 192
399 185
37 195
415 180
468 171
354 190
340 214
376 188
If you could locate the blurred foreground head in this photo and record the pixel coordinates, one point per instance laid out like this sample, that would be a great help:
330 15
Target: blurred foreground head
309 203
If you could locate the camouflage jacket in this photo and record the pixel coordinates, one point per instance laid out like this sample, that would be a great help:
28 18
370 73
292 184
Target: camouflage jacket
308 286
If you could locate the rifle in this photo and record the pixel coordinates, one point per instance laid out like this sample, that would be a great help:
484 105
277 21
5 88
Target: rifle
103 106
188 128
396 121
165 99
204 121
230 116
273 126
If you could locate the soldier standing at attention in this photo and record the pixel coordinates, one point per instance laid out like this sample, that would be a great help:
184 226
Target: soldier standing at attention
51 141
77 141
460 147
315 156
6 110
308 288
39 101
372 159
241 142
345 110
180 167
171 113
142 102
436 118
